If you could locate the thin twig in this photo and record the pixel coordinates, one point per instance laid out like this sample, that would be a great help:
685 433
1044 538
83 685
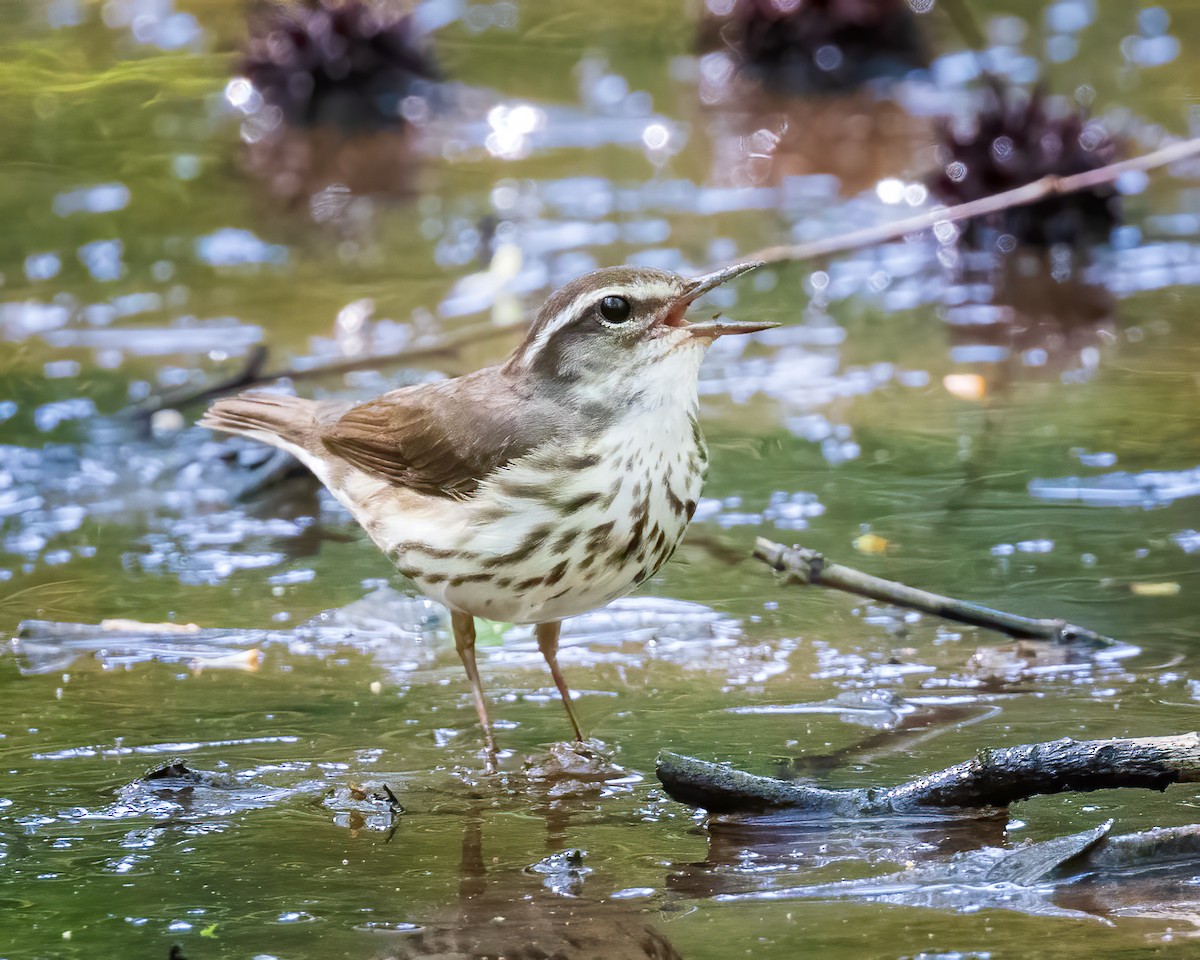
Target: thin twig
253 375
810 567
993 778
1017 197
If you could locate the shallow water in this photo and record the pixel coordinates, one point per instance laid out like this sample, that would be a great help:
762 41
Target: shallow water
1050 466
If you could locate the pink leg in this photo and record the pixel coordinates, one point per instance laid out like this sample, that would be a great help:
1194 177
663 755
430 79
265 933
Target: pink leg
464 642
547 638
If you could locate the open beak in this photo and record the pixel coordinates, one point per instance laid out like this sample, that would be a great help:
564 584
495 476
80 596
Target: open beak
717 327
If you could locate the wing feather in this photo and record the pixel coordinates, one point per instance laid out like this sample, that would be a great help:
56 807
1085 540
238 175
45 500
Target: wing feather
441 438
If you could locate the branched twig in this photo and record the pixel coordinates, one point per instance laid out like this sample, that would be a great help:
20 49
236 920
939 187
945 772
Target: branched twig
994 778
250 375
1017 197
810 567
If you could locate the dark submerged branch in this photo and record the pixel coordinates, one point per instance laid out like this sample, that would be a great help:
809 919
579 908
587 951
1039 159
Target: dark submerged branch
800 565
718 789
253 375
994 778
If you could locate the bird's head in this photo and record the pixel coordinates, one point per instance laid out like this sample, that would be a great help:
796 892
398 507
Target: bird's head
621 331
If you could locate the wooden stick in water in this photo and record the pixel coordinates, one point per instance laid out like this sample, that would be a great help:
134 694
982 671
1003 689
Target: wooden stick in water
995 777
805 566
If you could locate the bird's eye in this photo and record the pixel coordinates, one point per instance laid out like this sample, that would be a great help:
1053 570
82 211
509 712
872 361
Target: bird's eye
615 309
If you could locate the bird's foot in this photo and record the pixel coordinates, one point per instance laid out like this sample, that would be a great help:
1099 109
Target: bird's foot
581 760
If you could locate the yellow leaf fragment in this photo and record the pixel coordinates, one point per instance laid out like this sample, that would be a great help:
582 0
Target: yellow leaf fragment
1158 588
871 543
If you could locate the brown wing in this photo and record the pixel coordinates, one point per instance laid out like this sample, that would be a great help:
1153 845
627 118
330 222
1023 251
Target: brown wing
441 438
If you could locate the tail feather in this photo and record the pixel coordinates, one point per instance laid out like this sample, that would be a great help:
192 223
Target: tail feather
282 421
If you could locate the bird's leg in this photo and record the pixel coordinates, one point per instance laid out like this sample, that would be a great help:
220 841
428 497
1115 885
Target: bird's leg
547 638
464 642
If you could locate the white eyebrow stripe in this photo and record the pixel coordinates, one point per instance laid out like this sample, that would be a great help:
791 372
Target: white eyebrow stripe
643 290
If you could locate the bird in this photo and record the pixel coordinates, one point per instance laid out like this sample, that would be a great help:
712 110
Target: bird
536 489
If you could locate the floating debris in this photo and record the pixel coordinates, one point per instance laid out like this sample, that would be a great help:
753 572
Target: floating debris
364 807
562 873
997 665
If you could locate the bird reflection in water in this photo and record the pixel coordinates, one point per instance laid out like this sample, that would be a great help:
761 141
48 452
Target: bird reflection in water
511 915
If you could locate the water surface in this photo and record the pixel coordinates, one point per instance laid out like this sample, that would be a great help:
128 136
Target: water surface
1048 464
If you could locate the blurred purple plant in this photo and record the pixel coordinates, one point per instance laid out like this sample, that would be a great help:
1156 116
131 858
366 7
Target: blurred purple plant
1016 138
337 63
814 46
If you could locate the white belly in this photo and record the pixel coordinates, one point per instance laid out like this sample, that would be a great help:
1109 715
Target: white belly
553 534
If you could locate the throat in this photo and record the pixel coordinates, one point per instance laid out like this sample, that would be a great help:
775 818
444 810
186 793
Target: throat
652 439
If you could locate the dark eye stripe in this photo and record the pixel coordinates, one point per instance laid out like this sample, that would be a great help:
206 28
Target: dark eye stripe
615 309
